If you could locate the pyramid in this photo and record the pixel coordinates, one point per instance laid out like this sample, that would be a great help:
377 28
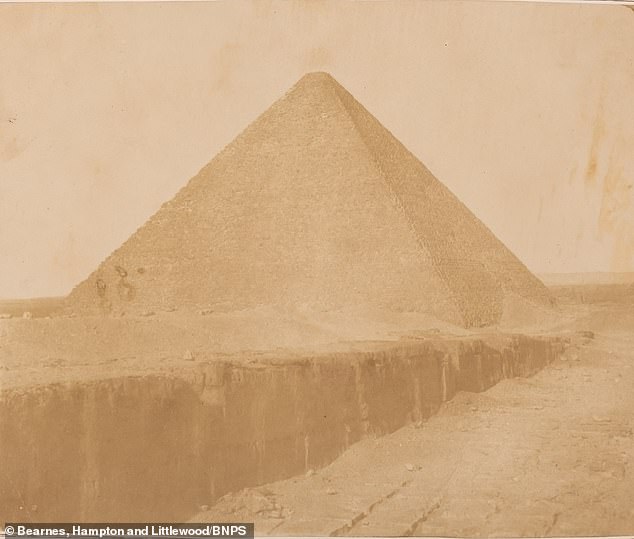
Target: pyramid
316 205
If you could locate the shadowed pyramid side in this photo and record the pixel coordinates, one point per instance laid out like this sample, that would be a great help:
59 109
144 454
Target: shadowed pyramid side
476 267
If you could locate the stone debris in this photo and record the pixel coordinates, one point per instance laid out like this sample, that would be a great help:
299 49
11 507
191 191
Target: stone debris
188 356
27 315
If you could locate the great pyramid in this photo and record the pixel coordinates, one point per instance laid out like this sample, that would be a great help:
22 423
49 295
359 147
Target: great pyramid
315 204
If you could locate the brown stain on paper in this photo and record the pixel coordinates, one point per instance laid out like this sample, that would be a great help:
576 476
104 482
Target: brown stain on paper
225 64
318 58
616 216
598 134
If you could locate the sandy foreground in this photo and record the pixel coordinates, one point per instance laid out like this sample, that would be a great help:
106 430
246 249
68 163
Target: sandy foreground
550 455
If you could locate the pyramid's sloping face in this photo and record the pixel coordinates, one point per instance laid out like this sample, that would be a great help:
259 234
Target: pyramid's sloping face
315 204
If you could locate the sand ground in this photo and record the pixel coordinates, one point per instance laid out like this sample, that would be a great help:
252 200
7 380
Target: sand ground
549 455
552 455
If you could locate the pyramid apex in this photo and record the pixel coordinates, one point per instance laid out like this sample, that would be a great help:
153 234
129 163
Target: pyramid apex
316 77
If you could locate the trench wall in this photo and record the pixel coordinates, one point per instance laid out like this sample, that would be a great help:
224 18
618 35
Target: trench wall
157 447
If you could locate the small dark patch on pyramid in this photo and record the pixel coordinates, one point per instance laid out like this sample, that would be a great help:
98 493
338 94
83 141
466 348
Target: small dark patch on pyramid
315 205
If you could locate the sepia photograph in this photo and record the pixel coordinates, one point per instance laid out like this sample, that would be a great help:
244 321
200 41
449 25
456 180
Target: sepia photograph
312 268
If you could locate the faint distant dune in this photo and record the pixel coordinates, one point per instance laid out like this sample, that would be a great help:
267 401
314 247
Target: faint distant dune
591 288
562 279
38 307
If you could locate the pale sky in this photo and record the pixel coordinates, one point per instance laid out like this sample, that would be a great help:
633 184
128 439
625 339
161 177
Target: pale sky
524 111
